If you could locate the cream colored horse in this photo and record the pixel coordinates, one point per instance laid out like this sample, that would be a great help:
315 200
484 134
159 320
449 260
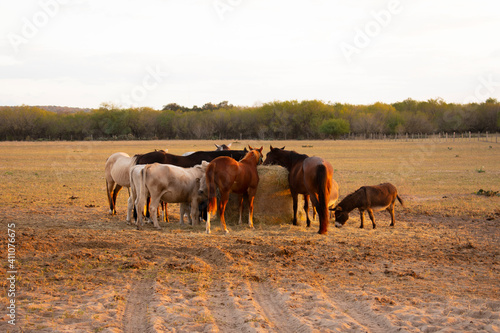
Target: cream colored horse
117 175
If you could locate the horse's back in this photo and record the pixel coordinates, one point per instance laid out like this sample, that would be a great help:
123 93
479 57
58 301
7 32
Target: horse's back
117 168
312 166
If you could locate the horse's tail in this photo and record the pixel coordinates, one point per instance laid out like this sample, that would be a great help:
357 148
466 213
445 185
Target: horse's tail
400 200
211 188
133 159
143 195
110 198
324 188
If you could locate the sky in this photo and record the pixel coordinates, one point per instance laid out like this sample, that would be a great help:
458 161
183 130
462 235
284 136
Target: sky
83 53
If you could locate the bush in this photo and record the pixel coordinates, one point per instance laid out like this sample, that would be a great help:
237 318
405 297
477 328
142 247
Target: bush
335 127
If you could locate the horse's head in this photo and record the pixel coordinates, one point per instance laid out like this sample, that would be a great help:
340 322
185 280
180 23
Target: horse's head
275 156
257 153
341 216
223 147
202 188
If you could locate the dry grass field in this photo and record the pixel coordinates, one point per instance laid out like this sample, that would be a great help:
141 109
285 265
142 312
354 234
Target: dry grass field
80 269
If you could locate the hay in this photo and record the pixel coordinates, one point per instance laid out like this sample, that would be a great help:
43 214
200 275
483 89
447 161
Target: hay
272 203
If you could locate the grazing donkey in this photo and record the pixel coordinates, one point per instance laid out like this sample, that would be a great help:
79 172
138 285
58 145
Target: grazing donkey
370 198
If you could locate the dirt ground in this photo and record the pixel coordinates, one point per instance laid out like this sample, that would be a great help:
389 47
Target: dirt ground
85 271
80 269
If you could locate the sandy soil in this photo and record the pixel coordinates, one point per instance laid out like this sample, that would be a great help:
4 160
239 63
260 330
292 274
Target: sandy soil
82 270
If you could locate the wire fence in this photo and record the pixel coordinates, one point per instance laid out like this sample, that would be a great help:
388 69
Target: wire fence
437 137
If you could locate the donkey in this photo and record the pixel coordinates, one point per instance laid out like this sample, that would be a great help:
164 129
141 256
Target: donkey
369 198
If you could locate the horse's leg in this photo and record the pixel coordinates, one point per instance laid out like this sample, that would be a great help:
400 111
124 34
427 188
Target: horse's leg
362 217
391 211
130 207
194 211
139 209
306 208
148 204
240 201
165 212
222 208
153 207
183 208
295 203
370 213
207 228
251 196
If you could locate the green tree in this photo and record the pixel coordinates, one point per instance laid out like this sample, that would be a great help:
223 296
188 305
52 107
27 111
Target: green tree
335 127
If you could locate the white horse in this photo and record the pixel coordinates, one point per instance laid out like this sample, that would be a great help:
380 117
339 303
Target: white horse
116 171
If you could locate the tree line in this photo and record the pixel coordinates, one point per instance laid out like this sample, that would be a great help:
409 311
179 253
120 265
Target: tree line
311 119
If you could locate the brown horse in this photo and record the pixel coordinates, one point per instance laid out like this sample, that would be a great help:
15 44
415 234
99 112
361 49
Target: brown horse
228 175
309 176
370 198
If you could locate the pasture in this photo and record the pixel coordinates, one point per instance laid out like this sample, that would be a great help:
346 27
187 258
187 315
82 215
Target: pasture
80 269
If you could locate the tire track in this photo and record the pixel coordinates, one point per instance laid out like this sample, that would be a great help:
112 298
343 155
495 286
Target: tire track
136 317
276 311
360 312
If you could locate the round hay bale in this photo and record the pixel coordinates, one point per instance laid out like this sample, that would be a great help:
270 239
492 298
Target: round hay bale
272 203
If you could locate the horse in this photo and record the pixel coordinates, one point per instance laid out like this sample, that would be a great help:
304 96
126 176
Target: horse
218 148
116 172
228 175
163 157
186 161
369 198
310 176
168 183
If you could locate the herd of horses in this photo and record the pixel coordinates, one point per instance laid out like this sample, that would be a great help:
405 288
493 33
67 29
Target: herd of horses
204 180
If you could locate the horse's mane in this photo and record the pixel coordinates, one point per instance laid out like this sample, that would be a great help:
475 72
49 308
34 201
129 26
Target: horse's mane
296 157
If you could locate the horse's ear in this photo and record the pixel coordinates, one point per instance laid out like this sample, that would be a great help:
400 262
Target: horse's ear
229 145
282 148
216 145
250 147
261 148
271 147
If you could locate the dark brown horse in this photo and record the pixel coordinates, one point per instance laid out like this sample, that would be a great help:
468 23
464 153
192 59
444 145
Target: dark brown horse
228 175
189 161
370 198
309 176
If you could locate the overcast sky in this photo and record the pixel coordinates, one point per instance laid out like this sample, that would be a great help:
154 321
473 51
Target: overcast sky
153 52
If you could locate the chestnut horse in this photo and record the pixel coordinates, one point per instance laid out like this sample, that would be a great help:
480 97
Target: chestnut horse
228 175
309 176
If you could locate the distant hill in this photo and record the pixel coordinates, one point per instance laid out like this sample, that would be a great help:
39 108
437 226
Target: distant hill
62 109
